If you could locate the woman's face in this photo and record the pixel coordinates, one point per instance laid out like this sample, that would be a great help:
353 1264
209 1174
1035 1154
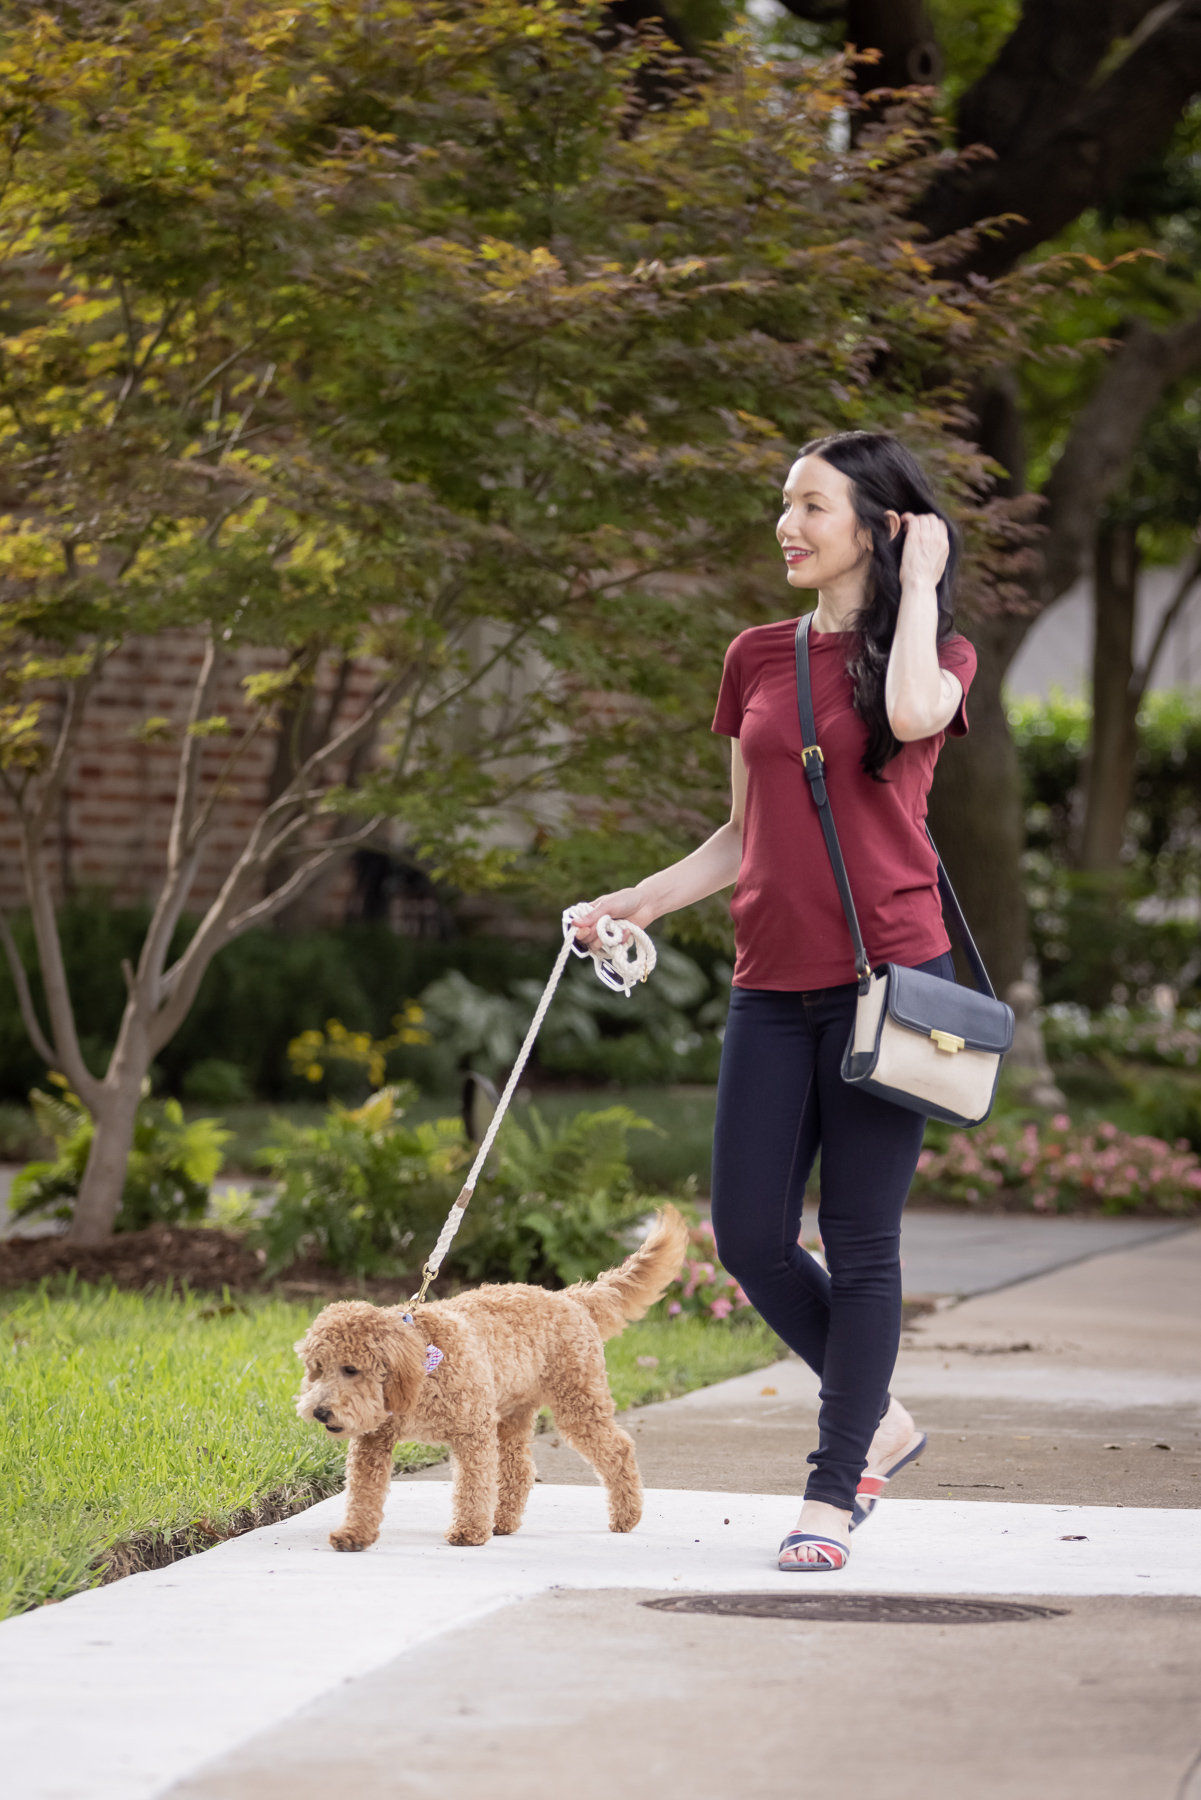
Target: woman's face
819 534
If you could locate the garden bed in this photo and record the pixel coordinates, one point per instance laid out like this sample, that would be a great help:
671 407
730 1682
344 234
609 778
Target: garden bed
186 1258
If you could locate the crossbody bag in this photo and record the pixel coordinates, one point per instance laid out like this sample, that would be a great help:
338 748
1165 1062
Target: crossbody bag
919 1041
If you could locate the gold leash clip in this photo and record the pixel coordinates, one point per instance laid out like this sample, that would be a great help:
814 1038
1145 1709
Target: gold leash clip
427 1276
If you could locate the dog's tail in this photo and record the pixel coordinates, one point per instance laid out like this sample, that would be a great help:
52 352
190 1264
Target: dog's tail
624 1294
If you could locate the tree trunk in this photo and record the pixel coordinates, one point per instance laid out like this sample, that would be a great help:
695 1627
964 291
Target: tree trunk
976 812
900 30
103 1182
1113 746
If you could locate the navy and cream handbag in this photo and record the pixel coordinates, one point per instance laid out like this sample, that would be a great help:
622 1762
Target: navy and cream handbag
919 1041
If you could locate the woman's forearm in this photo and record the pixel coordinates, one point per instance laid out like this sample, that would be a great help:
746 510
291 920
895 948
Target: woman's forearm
920 696
706 871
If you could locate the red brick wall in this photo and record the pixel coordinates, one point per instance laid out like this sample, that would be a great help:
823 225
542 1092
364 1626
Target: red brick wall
114 823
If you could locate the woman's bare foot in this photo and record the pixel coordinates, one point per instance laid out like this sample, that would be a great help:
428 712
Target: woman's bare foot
823 1521
895 1430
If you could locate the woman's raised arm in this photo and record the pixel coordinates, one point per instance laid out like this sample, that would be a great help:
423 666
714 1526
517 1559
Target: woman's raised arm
921 697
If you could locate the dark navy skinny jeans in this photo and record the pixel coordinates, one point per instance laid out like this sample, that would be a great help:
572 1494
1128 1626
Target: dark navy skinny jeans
780 1097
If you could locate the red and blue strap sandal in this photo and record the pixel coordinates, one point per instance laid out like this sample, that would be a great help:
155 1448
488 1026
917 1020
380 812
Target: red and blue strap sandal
831 1555
873 1482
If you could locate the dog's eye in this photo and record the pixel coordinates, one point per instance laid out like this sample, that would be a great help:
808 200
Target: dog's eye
349 1371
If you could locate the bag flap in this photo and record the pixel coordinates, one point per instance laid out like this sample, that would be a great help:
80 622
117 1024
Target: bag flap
925 1003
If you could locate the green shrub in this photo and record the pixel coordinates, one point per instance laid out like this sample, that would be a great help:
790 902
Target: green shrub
1072 1033
560 1206
171 1166
369 1193
359 1188
20 1137
1134 927
669 1029
213 1082
259 993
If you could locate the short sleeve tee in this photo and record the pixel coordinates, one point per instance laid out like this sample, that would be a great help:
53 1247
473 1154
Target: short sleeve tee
789 926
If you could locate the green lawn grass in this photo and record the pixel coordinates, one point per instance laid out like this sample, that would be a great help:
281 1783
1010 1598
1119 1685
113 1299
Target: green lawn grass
133 1416
139 1426
659 1358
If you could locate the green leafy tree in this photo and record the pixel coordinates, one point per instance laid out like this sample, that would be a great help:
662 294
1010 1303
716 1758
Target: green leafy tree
395 339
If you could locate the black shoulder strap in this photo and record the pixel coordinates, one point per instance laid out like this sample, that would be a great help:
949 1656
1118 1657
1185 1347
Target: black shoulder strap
813 763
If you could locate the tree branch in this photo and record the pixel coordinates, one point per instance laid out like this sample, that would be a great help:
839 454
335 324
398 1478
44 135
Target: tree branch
1052 161
183 845
1180 599
67 1055
50 786
29 1015
200 952
1103 440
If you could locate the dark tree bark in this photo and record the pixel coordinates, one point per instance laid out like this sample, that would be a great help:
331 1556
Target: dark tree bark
1113 745
1061 139
1118 689
901 31
1061 135
976 813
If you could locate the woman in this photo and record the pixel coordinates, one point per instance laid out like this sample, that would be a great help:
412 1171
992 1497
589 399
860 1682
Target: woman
889 677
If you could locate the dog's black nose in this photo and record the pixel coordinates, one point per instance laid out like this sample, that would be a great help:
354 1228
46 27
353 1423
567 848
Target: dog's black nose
323 1413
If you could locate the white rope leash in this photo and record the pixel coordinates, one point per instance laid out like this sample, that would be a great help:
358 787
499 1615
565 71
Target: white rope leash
620 966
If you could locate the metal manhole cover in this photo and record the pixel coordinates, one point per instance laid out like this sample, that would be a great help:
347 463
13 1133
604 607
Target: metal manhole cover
866 1609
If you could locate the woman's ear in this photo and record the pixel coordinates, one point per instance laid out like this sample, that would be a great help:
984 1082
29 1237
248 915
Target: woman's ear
404 1367
894 523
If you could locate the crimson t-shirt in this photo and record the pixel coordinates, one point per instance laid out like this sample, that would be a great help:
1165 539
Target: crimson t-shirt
789 925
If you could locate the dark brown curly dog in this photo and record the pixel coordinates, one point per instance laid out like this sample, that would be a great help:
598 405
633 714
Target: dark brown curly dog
506 1351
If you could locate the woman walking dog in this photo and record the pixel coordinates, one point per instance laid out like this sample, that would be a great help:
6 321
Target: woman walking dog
889 678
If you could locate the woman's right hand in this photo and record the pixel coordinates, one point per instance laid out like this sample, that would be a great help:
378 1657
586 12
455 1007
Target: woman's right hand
627 903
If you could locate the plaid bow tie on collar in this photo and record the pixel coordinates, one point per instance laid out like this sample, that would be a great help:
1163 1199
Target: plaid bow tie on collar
433 1356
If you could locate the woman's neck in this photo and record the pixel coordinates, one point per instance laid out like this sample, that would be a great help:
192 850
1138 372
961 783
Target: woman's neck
838 604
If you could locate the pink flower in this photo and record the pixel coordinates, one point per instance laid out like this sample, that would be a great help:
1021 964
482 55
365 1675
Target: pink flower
1061 1122
674 1309
721 1307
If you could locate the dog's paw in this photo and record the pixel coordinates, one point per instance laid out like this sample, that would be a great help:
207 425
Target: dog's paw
343 1539
505 1527
464 1535
624 1521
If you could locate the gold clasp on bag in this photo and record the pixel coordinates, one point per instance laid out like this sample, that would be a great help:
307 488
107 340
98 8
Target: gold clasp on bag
946 1040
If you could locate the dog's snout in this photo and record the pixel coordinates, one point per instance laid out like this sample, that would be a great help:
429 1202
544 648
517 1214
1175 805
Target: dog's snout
323 1413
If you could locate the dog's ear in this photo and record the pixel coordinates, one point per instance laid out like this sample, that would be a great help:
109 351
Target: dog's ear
404 1366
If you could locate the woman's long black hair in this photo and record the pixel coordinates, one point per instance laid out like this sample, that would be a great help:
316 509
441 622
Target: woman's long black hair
884 478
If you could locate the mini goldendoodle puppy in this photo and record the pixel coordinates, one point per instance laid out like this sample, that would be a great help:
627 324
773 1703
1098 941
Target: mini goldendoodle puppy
472 1373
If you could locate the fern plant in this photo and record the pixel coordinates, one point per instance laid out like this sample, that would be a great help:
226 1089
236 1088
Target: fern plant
172 1163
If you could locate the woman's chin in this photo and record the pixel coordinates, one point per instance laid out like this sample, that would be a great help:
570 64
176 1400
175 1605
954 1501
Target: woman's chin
799 578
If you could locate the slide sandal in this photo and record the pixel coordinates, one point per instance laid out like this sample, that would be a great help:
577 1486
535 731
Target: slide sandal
872 1485
832 1554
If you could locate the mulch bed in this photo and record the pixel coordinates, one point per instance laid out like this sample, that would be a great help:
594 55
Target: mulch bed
175 1257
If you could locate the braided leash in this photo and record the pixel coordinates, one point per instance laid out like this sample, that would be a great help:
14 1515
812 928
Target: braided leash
620 965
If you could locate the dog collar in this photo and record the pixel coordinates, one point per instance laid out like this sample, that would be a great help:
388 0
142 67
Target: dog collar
433 1356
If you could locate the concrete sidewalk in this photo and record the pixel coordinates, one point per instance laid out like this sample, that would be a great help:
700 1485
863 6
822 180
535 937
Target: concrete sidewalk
270 1667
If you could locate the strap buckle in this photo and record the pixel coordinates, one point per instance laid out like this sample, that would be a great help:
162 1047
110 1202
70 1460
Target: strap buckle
815 771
